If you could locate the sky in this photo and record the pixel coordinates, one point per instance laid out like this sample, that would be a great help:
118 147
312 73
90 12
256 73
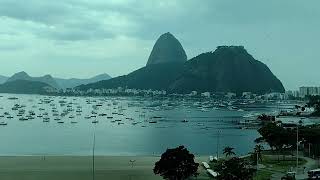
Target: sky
83 38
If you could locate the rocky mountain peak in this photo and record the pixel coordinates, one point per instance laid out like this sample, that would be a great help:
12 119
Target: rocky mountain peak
167 49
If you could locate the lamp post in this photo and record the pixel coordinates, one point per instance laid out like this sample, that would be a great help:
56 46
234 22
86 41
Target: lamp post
93 149
309 150
257 160
218 143
297 148
131 161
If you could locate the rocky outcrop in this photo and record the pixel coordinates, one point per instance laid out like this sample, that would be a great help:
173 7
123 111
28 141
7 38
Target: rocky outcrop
167 49
227 69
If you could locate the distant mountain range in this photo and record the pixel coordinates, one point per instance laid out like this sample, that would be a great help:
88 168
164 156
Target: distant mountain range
24 87
156 77
74 82
48 79
17 82
227 69
3 79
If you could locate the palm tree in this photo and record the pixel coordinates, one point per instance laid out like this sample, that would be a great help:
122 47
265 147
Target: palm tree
258 151
228 151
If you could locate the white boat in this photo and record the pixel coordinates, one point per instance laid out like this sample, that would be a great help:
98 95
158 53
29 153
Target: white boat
212 173
206 165
3 123
23 119
12 98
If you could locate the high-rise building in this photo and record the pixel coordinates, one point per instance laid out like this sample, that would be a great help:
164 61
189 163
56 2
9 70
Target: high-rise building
309 91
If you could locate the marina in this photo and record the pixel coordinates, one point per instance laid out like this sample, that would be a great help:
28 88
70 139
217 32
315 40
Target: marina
33 124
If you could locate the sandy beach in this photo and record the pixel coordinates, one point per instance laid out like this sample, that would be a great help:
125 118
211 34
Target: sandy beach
80 168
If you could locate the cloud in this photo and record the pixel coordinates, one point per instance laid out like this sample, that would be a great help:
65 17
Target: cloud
116 36
73 20
66 20
46 12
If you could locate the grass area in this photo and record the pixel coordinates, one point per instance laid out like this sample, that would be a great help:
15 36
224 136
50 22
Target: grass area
263 175
271 152
274 166
284 165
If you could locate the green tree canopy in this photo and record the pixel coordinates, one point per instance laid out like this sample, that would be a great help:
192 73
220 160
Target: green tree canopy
234 168
228 151
176 164
277 137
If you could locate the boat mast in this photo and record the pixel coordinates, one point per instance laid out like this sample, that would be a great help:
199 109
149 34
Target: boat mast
93 149
218 143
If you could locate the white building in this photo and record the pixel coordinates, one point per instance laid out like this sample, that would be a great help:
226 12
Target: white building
231 95
309 91
205 94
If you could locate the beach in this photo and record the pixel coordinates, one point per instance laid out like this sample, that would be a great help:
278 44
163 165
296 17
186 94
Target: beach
80 167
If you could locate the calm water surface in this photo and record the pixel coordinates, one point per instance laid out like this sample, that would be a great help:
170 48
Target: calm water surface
136 136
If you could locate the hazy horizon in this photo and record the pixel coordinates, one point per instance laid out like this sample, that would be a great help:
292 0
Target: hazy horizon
81 39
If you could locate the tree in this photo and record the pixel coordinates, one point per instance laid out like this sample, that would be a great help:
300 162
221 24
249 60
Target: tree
228 151
314 101
258 152
176 164
234 168
277 137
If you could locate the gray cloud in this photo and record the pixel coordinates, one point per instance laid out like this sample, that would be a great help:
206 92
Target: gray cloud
283 34
61 20
82 31
47 12
6 48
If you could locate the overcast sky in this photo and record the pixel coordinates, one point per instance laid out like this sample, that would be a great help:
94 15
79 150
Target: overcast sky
83 38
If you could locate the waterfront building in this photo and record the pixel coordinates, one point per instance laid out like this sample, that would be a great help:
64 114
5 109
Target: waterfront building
309 91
